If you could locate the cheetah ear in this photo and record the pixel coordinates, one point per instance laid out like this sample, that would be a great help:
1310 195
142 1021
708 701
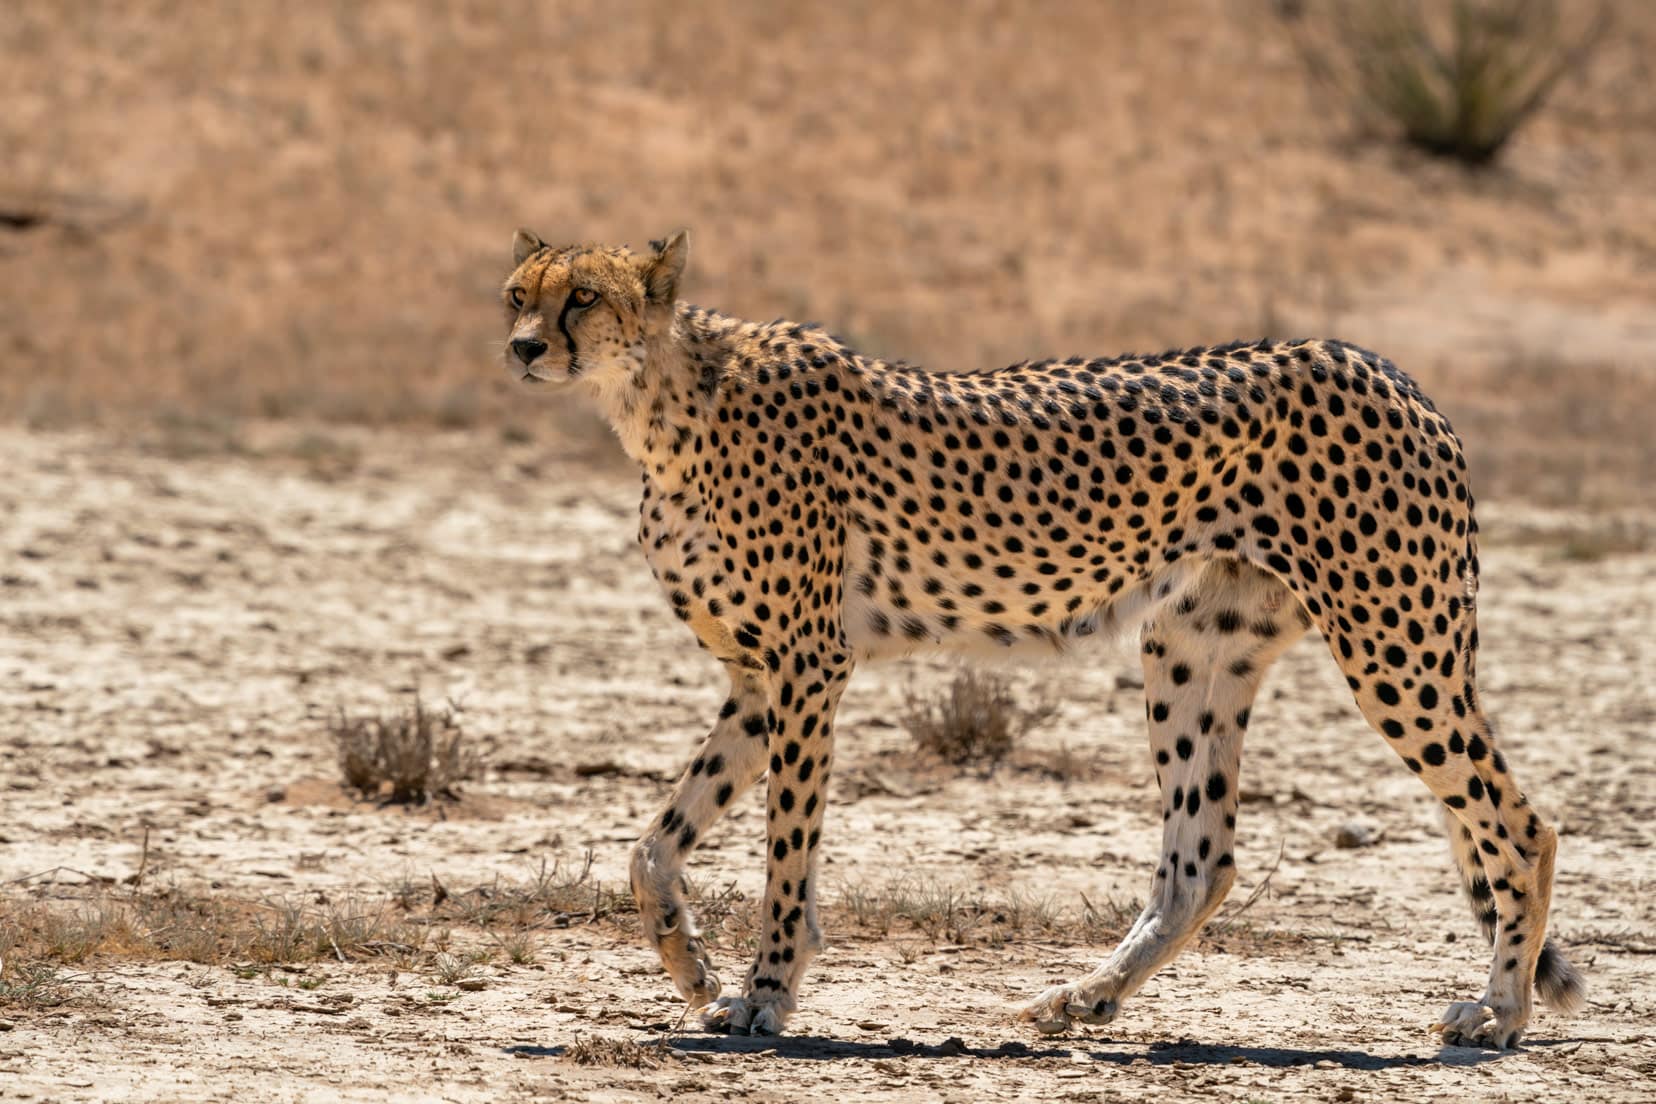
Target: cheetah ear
523 244
662 271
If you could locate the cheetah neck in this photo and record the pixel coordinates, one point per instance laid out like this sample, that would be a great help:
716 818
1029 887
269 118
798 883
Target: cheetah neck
666 402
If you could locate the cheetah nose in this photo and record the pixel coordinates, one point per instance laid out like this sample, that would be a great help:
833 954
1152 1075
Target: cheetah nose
528 348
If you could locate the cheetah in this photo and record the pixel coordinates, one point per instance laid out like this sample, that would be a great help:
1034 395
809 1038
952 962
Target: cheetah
806 508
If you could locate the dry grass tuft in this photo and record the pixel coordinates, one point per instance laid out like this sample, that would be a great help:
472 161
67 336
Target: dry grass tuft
1456 80
409 757
976 720
451 969
407 927
945 912
413 928
518 947
1594 543
949 913
34 985
175 926
425 929
349 929
560 894
600 1050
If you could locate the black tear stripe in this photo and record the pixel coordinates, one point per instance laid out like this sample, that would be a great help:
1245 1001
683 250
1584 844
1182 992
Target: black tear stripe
563 328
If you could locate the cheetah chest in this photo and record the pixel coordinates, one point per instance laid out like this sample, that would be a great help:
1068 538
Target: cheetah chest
685 558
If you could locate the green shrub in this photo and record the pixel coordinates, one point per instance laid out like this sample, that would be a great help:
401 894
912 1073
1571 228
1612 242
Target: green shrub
1456 78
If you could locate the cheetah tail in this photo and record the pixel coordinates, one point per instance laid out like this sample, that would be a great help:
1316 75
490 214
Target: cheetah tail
1558 981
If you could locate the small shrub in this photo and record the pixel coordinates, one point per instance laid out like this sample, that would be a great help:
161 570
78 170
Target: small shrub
33 985
412 756
976 720
1456 79
348 929
519 947
1594 543
448 969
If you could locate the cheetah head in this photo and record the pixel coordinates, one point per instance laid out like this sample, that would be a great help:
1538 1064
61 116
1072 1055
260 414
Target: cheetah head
586 313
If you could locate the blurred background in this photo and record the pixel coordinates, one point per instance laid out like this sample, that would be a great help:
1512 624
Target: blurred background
214 214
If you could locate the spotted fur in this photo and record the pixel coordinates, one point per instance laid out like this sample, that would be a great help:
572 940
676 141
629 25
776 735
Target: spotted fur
806 508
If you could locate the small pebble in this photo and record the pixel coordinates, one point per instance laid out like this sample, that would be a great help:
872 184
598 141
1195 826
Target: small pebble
1356 833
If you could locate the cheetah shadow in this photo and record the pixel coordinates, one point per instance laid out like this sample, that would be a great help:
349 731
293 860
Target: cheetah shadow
816 1048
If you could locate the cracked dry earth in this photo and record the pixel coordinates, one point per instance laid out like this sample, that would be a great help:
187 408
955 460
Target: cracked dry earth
176 630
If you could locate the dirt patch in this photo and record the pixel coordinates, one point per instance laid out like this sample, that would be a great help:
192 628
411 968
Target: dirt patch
175 635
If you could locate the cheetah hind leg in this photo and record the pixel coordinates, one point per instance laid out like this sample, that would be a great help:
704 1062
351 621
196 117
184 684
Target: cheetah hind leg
1557 981
1203 661
1426 706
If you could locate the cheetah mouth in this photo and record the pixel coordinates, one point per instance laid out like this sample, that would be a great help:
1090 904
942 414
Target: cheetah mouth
536 379
537 375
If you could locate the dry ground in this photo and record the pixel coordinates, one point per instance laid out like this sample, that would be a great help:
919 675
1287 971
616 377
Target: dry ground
177 625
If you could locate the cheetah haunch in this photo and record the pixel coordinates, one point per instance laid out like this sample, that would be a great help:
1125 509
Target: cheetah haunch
806 508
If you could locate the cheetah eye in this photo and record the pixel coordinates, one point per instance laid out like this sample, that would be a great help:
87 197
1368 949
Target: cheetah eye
516 296
583 297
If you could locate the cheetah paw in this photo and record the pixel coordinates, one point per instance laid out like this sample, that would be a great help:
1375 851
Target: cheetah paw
1476 1024
740 1016
704 987
691 970
1054 1010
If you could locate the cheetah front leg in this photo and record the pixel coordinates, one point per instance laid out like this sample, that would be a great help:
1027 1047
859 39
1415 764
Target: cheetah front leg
1202 667
801 747
728 762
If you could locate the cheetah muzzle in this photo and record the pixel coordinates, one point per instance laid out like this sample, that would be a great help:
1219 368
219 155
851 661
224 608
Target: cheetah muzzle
806 508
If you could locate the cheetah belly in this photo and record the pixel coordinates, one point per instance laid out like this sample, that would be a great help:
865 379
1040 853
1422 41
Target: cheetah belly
894 608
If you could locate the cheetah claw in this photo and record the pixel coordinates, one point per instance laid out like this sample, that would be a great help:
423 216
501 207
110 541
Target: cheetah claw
1050 1012
727 1014
1101 1013
688 965
738 1016
705 989
1476 1024
1057 1010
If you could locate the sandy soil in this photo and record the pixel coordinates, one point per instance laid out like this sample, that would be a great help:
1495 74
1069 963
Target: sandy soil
175 630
